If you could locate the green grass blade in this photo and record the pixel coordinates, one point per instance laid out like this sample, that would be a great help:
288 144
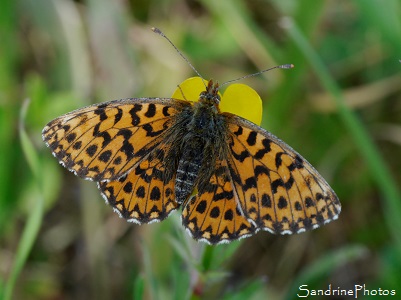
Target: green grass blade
323 266
377 166
139 287
151 283
34 221
386 18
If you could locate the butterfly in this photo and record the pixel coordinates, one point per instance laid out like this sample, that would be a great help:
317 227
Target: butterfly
149 155
152 156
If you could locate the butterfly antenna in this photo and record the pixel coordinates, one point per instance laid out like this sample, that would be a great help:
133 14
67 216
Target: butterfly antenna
159 32
286 66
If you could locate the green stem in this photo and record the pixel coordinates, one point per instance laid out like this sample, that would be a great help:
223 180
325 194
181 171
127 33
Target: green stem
375 162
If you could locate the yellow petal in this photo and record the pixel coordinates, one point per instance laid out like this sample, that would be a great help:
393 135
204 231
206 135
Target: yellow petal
238 99
190 89
242 100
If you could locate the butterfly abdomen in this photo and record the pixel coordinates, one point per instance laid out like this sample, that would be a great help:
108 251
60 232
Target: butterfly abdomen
196 150
188 169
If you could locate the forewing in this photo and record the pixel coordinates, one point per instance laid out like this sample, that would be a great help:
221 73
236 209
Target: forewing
102 142
278 190
214 214
146 193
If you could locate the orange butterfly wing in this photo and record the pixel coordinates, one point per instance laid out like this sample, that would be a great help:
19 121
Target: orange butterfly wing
214 214
104 141
146 193
278 190
259 183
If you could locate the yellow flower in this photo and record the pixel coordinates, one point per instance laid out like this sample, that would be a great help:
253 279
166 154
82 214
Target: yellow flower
238 99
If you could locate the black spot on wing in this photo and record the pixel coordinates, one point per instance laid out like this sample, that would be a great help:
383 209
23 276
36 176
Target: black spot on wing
309 202
238 156
307 223
118 116
215 212
127 149
91 150
266 201
165 111
150 132
77 145
266 149
249 183
223 195
278 159
251 140
100 111
117 160
96 129
66 128
277 227
140 192
261 170
128 187
297 164
126 133
282 203
201 207
151 112
135 119
155 193
289 183
71 137
239 131
105 156
228 215
106 138
276 184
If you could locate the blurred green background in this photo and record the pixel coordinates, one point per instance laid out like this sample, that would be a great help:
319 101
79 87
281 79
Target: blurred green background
340 108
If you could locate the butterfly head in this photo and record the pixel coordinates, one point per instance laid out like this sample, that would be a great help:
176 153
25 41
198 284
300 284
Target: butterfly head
211 95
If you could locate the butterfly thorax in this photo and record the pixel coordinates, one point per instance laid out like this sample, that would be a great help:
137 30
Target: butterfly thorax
203 140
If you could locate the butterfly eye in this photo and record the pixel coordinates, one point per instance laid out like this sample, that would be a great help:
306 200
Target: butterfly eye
216 99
